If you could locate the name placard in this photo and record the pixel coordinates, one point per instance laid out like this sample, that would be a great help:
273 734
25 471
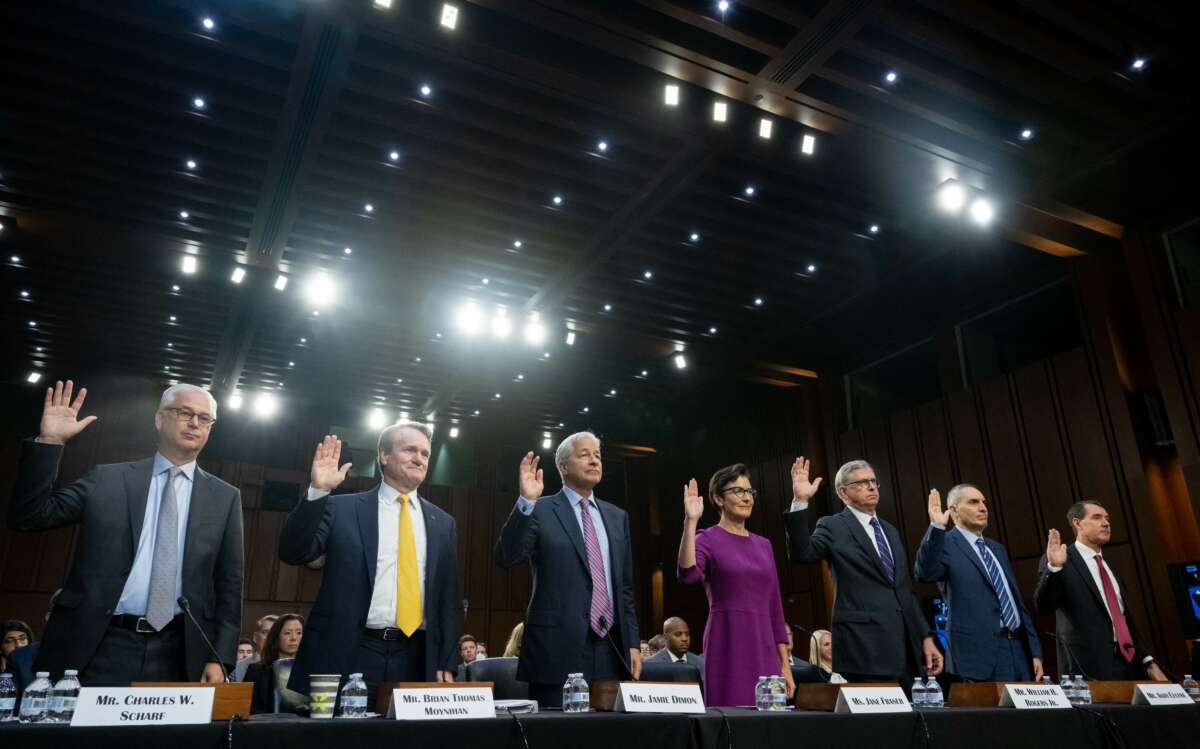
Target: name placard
659 697
872 700
127 706
441 703
1033 697
1160 694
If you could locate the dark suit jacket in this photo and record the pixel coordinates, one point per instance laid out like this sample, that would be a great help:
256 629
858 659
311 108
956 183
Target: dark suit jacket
1081 616
345 528
946 558
874 620
558 616
688 657
109 505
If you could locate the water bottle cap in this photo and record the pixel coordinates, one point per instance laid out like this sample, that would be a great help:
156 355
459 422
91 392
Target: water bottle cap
71 672
43 674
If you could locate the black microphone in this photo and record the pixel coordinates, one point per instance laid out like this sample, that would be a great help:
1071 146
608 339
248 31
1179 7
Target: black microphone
812 636
608 636
1070 655
187 609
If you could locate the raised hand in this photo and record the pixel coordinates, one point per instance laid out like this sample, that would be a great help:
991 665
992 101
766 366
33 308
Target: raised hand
937 515
693 503
802 488
1056 550
529 477
326 476
60 417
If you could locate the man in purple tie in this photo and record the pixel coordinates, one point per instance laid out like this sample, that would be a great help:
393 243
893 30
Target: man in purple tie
581 615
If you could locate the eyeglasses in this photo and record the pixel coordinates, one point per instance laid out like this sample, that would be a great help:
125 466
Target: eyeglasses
739 492
186 414
865 483
17 640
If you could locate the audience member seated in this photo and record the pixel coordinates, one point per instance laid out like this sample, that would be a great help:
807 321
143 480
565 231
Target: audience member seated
512 649
502 672
17 634
245 649
270 693
822 658
258 639
654 646
677 641
468 646
644 647
480 651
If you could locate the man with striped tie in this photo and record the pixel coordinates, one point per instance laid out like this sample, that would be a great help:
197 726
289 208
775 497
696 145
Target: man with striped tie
991 635
388 603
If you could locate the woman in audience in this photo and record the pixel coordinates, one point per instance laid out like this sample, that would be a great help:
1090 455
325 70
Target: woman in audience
745 636
823 658
281 645
513 648
17 634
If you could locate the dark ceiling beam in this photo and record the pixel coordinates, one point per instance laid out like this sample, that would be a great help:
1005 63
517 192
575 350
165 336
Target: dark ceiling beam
817 41
318 75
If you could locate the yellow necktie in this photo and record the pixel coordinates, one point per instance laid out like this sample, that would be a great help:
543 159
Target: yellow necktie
408 586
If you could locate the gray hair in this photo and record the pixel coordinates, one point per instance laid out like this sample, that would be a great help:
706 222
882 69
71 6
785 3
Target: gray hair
842 478
566 448
954 496
169 395
388 436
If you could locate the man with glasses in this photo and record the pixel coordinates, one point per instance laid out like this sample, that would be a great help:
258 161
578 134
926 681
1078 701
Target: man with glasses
117 618
879 633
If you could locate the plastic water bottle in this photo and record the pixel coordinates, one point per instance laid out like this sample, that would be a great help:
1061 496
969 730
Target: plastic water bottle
933 694
918 693
1046 680
63 698
1083 692
8 698
1068 687
776 693
760 694
33 703
353 702
581 696
1189 685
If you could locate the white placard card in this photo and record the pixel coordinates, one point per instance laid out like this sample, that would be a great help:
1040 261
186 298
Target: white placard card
1033 696
126 706
441 703
1160 694
872 700
659 697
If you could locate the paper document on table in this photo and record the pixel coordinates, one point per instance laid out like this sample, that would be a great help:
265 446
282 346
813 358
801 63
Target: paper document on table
520 707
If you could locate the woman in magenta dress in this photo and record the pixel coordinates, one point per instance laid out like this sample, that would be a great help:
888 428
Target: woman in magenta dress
746 636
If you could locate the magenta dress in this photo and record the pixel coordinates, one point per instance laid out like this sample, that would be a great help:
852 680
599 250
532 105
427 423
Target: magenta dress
745 614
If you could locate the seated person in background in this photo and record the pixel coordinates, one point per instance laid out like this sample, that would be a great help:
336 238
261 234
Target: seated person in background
258 641
480 651
245 649
281 645
677 641
513 647
468 646
644 648
822 658
655 645
17 634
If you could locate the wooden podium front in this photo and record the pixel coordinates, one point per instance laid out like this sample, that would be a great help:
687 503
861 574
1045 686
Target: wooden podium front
824 696
987 693
1115 692
229 699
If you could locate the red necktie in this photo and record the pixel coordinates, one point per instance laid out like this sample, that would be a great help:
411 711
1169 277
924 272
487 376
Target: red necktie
1124 639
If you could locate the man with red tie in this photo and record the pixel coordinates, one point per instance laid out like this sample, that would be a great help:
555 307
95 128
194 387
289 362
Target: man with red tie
1095 637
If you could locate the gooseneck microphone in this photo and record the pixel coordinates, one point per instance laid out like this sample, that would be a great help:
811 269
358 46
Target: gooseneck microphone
187 610
812 636
620 656
1070 656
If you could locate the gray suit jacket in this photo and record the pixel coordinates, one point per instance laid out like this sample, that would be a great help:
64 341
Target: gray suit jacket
109 506
689 658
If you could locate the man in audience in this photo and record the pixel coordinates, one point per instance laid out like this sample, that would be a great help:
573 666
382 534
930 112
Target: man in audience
118 617
481 651
678 643
245 649
653 646
468 647
1095 635
262 629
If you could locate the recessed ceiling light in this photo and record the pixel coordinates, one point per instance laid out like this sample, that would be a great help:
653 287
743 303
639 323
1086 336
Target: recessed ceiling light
612 392
608 308
485 281
645 373
33 377
586 409
208 23
437 335
316 313
764 128
320 289
281 283
952 196
695 236
812 268
189 264
304 340
174 287
501 325
647 275
723 5
535 332
426 90
383 4
347 251
239 274
758 301
172 318
712 330
369 208
891 76
394 156
873 228
198 102
1027 134
520 378
680 361
449 16
517 244
417 360
545 354
14 258
1139 63
720 111
602 146
190 163
33 323
570 338
496 396
184 215
557 200
234 402
671 95
291 364
749 191
477 412
24 294
376 419
468 319
982 211
546 443
453 433
808 144
399 380
265 405
170 345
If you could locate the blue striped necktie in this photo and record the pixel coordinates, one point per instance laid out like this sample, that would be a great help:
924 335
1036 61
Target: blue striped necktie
1008 612
885 554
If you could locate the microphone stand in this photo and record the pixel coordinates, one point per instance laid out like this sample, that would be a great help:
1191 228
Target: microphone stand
187 609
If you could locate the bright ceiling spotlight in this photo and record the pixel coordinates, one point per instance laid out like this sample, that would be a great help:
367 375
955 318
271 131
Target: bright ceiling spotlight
602 146
190 164
982 211
695 236
239 274
671 95
426 90
469 319
608 308
208 23
749 191
570 338
265 405
449 16
376 419
393 156
198 102
812 268
281 283
891 76
501 325
873 228
720 111
1027 134
453 433
680 361
383 4
33 378
557 200
808 145
234 402
764 128
546 443
647 274
369 207
535 332
189 264
758 301
712 330
1138 64
952 196
184 215
723 5
517 244
320 289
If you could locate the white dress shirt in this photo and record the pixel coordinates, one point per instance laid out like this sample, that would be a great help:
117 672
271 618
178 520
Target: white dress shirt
382 612
136 592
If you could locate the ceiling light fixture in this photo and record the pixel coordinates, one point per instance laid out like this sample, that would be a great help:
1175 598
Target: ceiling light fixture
873 228
190 163
720 111
695 236
234 402
320 290
546 443
208 23
557 200
749 191
808 144
535 332
449 16
891 76
239 274
812 268
608 308
426 90
982 211
712 330
184 215
951 196
647 275
1027 134
33 377
671 95
383 4
758 301
198 102
265 405
764 129
1139 64
570 338
602 146
376 419
453 433
501 325
394 156
281 283
468 319
189 264
517 244
680 361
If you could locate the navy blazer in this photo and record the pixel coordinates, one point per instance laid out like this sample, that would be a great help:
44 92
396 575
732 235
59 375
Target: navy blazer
946 558
874 619
557 619
345 528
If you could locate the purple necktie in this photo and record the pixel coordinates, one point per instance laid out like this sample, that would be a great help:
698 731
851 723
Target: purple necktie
602 615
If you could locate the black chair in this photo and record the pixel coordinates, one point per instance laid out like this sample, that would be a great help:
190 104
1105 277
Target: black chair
806 673
664 671
502 672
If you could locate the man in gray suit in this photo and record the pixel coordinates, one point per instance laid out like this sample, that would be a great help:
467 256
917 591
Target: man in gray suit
152 532
679 640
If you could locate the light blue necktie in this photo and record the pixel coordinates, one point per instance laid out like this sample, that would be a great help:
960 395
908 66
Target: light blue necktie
1008 613
160 604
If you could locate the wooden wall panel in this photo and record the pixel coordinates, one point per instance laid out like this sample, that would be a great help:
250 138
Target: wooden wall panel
1013 485
911 490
